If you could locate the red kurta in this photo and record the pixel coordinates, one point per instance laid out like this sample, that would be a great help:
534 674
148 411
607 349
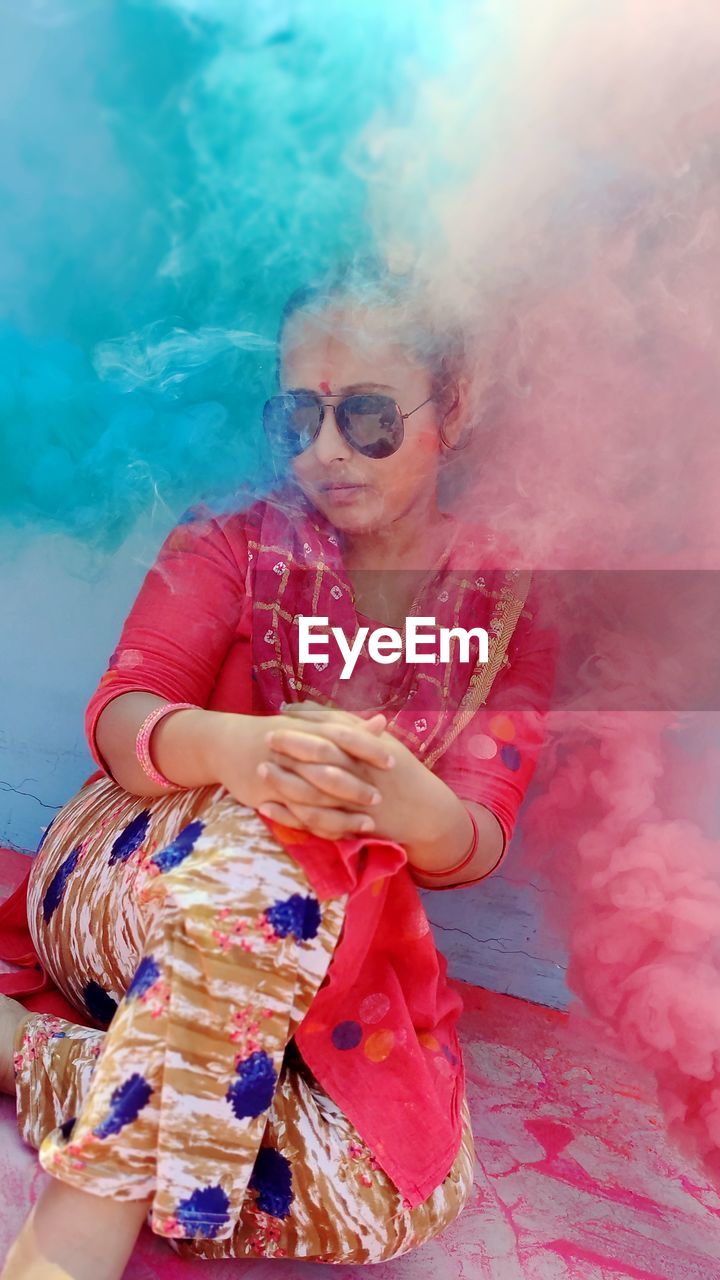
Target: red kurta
381 1036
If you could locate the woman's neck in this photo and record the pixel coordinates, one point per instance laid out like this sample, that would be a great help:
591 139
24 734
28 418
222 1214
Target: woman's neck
413 540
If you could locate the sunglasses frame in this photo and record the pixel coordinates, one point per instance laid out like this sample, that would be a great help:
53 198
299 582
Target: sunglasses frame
324 402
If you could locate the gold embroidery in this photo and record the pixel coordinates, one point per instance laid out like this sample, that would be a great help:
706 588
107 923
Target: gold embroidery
507 611
507 614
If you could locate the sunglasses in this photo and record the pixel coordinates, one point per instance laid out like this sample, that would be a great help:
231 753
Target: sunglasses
372 424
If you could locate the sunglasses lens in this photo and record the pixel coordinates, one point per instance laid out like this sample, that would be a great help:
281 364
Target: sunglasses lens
291 422
371 424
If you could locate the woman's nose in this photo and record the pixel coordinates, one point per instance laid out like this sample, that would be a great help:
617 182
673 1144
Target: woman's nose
330 443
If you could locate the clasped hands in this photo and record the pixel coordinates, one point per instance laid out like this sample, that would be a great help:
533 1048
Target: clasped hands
328 771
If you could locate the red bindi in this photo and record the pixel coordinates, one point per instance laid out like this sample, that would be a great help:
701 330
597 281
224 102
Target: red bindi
325 388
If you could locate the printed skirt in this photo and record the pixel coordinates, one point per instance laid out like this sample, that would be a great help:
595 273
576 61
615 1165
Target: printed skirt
182 926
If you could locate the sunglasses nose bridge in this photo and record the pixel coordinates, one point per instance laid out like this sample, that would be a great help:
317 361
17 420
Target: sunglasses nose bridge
330 441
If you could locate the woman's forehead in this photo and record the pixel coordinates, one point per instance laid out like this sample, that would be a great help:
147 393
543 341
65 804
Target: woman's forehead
344 343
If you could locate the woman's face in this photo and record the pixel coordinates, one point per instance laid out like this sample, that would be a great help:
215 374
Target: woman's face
351 349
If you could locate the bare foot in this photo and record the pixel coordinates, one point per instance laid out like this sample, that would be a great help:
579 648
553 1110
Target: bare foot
74 1235
11 1013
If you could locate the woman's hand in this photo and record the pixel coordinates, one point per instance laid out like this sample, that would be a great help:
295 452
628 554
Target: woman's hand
417 809
341 757
412 799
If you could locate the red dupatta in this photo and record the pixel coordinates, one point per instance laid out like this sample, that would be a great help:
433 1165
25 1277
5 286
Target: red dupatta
295 568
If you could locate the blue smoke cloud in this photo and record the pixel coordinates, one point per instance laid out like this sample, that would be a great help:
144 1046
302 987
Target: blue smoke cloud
172 172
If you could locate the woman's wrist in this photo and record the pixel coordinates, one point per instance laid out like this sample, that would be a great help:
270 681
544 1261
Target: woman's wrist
445 831
467 857
454 831
185 746
195 748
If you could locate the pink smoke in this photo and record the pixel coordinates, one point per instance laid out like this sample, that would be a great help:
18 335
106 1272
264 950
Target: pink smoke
640 901
580 253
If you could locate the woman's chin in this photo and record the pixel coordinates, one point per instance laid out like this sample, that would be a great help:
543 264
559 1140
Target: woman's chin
356 514
356 521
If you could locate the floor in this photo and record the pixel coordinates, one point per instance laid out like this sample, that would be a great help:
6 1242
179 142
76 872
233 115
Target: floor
574 1178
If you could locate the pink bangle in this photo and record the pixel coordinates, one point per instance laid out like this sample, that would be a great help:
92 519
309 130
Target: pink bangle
142 741
449 871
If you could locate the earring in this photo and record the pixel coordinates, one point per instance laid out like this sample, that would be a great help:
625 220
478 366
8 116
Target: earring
455 448
464 439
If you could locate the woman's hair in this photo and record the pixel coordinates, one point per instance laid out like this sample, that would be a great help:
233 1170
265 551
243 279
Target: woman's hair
367 282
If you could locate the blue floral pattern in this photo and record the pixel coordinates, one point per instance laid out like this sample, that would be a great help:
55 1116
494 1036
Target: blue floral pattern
271 1178
297 915
45 835
146 974
54 892
126 1103
252 1092
130 839
101 1006
206 1210
180 848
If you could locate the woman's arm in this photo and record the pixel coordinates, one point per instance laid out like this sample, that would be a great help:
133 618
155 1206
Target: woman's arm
182 743
491 846
189 611
448 835
197 748
422 812
486 770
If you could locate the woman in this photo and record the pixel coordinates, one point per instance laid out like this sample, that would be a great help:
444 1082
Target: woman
235 897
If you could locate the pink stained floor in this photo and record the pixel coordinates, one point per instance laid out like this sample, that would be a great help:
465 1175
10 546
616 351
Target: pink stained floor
574 1177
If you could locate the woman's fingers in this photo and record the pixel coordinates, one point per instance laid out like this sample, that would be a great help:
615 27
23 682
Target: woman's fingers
310 747
288 786
279 812
354 742
330 824
309 710
320 784
376 723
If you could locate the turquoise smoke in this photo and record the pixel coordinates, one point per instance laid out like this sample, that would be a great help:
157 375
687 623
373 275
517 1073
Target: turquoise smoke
172 171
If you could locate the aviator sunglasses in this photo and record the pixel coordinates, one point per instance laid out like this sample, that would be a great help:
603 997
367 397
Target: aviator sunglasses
371 423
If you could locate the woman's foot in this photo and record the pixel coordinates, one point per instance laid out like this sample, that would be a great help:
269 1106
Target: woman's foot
73 1235
11 1013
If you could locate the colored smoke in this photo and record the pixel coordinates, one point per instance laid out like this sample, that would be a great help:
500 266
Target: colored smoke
550 174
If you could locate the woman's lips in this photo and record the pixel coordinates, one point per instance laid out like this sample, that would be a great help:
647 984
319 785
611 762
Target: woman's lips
343 493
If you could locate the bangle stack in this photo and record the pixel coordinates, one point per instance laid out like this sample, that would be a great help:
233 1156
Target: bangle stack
142 741
449 871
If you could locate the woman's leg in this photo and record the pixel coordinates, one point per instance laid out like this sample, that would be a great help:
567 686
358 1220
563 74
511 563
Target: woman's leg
69 1234
54 1061
175 1109
81 874
314 1190
343 1207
